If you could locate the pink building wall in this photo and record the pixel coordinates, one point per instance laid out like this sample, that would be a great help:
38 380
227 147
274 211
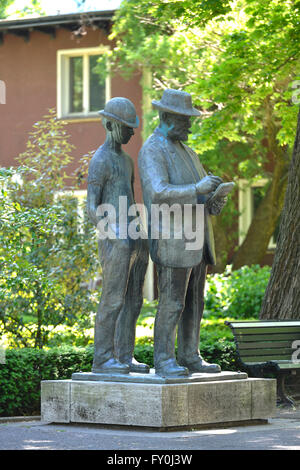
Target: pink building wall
29 70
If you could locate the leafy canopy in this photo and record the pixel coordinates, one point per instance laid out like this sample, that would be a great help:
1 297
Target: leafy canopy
238 59
10 8
4 4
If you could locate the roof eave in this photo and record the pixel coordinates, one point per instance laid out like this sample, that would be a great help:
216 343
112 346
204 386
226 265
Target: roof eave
55 19
49 24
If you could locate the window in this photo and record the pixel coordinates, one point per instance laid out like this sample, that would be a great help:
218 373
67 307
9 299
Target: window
249 199
81 90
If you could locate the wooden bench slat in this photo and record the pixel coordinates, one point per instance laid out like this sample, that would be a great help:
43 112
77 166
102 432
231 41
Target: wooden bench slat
266 337
266 358
252 330
267 352
292 365
265 344
283 354
264 324
282 364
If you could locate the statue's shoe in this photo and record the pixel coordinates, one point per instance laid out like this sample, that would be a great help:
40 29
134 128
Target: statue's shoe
201 366
111 366
141 368
170 368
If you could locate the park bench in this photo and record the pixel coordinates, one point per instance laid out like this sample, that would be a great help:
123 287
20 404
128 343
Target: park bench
267 348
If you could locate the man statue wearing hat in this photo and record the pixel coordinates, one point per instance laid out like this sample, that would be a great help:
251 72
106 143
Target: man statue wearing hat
171 173
124 260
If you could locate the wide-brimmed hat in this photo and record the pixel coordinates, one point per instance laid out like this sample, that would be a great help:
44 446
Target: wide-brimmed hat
177 102
121 110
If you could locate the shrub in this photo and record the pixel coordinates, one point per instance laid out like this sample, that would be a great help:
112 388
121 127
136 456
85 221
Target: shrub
237 294
143 350
24 369
217 344
48 251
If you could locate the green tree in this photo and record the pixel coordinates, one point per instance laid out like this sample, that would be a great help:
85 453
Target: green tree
48 251
239 60
33 7
4 4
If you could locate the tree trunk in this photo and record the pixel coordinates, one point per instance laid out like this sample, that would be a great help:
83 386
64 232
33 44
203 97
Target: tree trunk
282 297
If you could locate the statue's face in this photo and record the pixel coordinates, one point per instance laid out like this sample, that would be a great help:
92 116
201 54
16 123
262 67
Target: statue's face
127 133
179 126
120 132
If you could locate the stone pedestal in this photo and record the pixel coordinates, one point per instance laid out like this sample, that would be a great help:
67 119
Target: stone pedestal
153 402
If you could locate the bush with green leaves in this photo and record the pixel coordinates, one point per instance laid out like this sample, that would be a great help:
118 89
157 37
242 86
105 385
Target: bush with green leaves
21 375
43 271
236 294
48 250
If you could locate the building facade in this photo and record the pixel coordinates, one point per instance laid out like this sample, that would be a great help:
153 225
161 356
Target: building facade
49 62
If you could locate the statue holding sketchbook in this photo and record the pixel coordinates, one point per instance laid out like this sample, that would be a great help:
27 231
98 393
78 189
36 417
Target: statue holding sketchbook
171 173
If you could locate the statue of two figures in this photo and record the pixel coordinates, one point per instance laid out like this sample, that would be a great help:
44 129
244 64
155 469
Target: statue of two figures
171 176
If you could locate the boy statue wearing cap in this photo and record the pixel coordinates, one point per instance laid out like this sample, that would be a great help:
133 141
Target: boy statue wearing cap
124 261
171 173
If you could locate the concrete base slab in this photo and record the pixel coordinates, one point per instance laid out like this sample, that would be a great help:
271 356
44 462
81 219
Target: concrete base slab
158 405
157 379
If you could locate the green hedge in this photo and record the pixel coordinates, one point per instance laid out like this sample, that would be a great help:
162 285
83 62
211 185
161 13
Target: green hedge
24 369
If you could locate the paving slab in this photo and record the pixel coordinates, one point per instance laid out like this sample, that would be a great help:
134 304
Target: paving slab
281 433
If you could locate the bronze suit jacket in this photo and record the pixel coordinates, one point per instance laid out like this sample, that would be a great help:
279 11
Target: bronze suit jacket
168 173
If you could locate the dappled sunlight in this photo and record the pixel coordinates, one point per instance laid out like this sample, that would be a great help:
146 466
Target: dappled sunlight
217 432
287 447
146 329
33 444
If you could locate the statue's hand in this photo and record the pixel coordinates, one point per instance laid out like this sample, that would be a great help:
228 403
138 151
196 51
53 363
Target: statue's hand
208 184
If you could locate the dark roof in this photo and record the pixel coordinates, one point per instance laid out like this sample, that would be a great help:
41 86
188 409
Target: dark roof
49 24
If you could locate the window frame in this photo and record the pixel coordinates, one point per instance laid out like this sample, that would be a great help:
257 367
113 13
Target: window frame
63 82
245 208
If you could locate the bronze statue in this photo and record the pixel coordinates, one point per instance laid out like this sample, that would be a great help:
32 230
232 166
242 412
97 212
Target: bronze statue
124 260
171 173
